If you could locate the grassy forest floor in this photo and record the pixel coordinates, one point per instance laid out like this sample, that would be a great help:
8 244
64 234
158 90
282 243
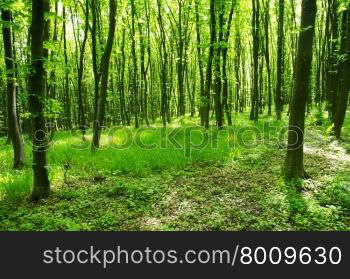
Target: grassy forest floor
230 186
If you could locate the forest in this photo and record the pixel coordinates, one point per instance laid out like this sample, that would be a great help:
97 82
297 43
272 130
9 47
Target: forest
134 115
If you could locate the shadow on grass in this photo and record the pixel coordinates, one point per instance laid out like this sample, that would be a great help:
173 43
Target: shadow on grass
294 197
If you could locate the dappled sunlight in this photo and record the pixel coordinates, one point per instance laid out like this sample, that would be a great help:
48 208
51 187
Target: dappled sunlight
333 152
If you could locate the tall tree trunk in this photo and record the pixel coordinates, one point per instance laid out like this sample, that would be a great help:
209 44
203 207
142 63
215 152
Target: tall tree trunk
180 60
51 90
148 88
164 110
344 80
254 114
209 73
267 57
47 28
101 105
124 112
135 87
81 114
94 52
13 124
332 73
37 102
280 61
200 64
294 165
67 100
225 97
217 68
144 70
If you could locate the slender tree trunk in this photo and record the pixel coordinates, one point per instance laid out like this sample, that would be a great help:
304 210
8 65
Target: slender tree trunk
267 57
143 68
163 68
280 61
82 118
225 87
37 102
135 87
217 68
101 105
47 28
68 123
124 111
51 90
254 114
181 60
294 165
237 66
13 124
209 73
200 64
95 58
148 67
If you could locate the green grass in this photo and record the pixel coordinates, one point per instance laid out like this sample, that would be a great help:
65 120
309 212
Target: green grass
233 182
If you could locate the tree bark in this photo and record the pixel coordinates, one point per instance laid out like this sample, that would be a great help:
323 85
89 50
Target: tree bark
13 124
95 58
254 114
280 61
164 110
294 165
225 87
209 73
37 102
344 80
82 118
217 68
332 69
200 63
67 100
267 56
135 86
101 104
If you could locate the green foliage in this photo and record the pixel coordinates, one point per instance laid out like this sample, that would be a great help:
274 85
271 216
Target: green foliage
15 185
227 188
233 182
53 109
337 194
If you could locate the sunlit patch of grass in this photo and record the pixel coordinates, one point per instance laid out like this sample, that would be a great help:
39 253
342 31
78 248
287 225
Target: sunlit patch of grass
15 185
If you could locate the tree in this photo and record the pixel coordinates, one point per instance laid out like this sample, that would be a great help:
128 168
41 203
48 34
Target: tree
267 55
81 114
344 80
200 63
13 125
135 86
67 98
163 73
332 63
37 102
225 48
294 165
280 61
220 8
101 104
94 53
209 73
254 114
